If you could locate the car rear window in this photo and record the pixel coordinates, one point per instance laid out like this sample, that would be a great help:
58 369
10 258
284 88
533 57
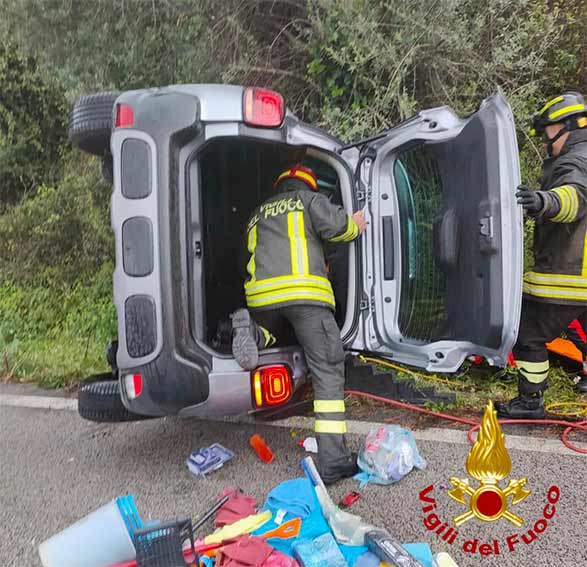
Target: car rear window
423 285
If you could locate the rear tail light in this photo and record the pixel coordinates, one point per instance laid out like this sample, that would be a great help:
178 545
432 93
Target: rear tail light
271 385
125 116
263 107
133 385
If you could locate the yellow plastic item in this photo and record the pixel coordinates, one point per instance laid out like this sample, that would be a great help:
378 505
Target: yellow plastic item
244 526
445 560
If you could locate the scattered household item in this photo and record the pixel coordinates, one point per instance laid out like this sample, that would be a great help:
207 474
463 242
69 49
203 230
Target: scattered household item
380 543
164 545
322 551
210 512
310 444
246 551
294 496
347 528
348 500
236 507
103 537
244 526
421 551
444 560
208 459
389 453
288 530
261 448
278 559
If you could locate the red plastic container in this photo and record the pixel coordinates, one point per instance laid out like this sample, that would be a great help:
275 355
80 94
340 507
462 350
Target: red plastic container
260 447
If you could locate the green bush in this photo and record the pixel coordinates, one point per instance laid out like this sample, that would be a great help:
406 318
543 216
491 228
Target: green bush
33 114
60 235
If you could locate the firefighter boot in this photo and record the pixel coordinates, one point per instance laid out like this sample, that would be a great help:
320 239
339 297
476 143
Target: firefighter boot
335 461
528 404
247 339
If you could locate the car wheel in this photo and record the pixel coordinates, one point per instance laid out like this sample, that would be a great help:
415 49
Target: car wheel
90 123
100 401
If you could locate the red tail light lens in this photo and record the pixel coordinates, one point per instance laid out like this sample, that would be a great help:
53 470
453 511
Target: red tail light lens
125 116
263 108
133 384
271 385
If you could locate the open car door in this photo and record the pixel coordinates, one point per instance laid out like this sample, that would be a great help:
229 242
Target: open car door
443 254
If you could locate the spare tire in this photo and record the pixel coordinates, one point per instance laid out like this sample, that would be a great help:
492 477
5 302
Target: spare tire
100 401
90 123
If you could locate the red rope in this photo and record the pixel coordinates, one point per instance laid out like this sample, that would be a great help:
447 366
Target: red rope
570 425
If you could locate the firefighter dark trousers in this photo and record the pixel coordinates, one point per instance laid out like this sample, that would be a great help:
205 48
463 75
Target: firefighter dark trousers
540 324
318 334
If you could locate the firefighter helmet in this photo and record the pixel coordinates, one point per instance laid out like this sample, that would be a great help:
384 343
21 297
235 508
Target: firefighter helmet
569 108
300 172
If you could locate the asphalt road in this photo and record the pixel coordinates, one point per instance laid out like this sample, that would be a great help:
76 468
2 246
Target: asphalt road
55 468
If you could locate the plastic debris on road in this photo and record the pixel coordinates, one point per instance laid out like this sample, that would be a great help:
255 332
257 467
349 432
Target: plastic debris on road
208 459
309 444
389 454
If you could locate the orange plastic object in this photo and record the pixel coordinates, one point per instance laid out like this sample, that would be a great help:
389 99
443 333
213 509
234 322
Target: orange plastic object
566 348
285 531
260 447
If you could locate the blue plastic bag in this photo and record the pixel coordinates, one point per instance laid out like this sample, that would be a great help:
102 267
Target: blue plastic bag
389 454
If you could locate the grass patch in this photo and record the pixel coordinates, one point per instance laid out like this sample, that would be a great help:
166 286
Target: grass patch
475 385
55 337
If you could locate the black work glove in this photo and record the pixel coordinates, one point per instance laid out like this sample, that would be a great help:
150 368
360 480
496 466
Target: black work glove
532 201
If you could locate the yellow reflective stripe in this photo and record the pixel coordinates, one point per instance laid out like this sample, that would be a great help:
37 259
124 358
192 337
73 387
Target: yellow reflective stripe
349 234
303 243
572 191
306 177
565 205
284 175
549 292
582 122
293 244
550 103
251 245
283 282
297 243
304 278
535 372
291 295
329 426
329 406
569 203
270 340
549 280
567 109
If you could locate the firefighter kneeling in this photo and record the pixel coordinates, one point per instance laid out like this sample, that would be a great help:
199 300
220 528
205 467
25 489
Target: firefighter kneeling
286 280
555 291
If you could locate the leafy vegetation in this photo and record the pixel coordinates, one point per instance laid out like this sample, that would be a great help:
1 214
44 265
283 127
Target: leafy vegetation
353 67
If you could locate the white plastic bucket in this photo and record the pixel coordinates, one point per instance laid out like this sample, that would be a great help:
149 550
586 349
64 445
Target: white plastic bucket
100 539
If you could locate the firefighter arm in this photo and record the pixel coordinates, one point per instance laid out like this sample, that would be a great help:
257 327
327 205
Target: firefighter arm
566 201
565 204
331 222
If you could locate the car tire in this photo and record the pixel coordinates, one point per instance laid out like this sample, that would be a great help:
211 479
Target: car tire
100 402
90 123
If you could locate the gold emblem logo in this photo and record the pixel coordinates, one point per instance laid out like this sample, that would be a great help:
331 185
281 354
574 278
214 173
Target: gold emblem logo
489 462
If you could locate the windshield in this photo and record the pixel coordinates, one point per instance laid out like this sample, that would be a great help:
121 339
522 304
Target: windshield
423 285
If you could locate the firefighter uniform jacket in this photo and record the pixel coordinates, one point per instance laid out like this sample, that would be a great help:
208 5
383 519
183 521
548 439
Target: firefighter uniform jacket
285 238
560 234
